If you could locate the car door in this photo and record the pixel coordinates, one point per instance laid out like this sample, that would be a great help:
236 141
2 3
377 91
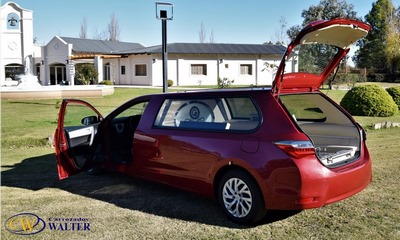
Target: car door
74 137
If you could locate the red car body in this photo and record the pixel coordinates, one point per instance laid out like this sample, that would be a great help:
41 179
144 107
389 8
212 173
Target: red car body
265 155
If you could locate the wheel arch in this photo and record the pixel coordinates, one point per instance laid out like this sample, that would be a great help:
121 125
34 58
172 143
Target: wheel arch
229 167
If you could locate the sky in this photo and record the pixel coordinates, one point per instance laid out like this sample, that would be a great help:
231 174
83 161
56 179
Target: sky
229 21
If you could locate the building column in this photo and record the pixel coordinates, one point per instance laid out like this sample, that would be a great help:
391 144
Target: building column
98 64
70 72
258 68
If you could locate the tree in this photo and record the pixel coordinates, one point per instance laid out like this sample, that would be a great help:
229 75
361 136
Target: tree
202 34
86 73
212 37
113 29
83 32
371 53
392 49
99 35
293 31
280 35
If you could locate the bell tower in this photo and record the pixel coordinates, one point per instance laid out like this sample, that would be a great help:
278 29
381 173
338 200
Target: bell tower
16 39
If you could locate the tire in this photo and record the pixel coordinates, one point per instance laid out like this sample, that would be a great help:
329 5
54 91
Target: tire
240 197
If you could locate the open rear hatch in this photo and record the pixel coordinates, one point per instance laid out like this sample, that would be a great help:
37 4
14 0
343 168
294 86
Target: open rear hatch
308 61
315 53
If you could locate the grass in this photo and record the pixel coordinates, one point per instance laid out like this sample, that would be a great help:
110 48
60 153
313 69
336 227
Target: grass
119 207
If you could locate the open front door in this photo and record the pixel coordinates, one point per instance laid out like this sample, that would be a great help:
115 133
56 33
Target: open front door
74 136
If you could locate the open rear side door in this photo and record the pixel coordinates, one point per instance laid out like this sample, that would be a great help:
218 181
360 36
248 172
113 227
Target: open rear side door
74 136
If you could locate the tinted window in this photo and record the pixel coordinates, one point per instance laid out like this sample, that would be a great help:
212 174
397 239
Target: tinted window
303 107
312 58
133 110
75 113
223 114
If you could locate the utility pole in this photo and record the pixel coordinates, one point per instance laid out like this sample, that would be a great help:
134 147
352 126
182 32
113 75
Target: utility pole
164 12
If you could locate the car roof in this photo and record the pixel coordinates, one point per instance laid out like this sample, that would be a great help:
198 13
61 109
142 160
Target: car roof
225 91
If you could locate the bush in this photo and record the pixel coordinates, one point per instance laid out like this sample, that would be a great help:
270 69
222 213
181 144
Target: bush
395 93
170 82
85 73
369 100
346 78
224 82
376 77
349 79
106 82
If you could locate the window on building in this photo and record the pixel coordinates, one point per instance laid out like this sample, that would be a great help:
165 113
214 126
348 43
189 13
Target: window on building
198 69
123 70
140 70
107 71
12 21
13 70
246 69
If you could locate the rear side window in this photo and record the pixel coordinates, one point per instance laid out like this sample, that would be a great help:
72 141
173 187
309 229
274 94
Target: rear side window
221 114
303 107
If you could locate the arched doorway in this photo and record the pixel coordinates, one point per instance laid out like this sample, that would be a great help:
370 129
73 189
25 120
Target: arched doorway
58 74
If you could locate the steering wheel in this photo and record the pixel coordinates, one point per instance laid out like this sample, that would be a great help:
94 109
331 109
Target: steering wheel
194 112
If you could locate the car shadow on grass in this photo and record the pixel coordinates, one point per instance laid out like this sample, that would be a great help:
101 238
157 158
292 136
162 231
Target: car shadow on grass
127 192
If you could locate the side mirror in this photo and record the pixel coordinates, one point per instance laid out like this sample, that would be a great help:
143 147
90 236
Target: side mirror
89 120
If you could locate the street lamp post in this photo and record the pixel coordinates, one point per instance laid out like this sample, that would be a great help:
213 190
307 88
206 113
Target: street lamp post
164 12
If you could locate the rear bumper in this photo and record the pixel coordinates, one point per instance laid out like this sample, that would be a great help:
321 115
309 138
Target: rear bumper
309 184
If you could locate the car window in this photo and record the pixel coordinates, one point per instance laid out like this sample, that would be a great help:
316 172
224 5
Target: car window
75 113
302 107
312 58
136 109
221 114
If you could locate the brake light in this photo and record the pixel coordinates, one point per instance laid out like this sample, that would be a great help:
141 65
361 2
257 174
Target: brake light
296 149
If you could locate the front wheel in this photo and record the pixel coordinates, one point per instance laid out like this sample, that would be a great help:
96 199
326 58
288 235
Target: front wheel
240 197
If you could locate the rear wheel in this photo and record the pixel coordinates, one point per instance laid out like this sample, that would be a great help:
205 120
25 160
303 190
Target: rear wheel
240 197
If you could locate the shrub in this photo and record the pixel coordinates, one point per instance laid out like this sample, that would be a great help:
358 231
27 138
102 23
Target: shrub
369 100
170 82
349 79
376 77
395 93
85 73
224 82
106 82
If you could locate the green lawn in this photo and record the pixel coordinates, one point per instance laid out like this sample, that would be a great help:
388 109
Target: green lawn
119 207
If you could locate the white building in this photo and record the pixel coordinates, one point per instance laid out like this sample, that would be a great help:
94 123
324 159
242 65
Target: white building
127 63
16 40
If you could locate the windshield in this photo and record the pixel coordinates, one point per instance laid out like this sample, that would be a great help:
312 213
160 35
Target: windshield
310 58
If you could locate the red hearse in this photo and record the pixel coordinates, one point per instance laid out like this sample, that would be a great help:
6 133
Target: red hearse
285 147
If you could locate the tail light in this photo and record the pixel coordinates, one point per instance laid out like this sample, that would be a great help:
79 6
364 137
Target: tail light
296 149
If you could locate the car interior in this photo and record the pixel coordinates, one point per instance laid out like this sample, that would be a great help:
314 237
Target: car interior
336 139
